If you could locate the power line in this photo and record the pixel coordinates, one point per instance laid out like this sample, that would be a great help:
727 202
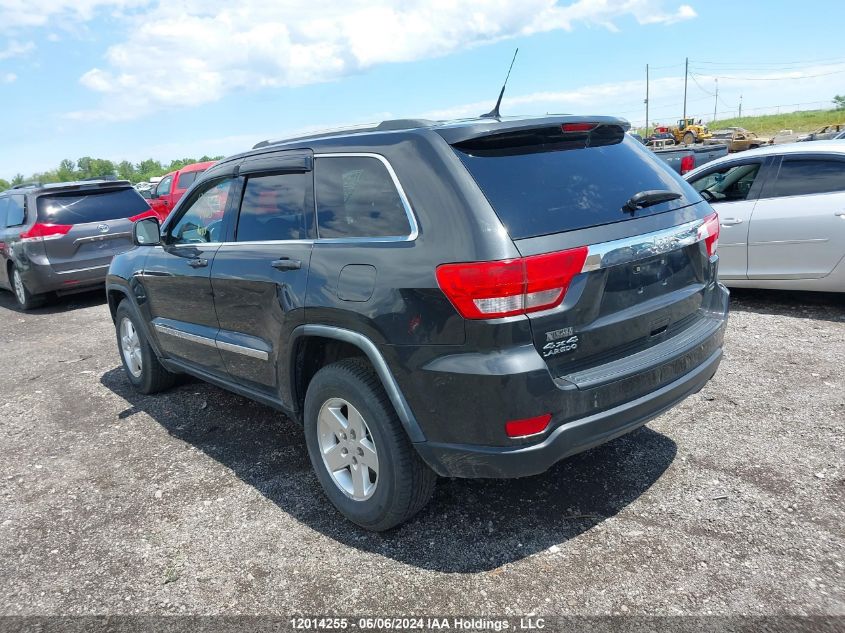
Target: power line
835 72
699 85
826 61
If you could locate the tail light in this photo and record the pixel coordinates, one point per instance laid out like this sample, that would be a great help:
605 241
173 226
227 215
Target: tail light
489 290
146 214
709 232
39 231
528 426
578 127
687 163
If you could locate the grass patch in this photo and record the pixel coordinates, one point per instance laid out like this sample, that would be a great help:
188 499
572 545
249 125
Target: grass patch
771 124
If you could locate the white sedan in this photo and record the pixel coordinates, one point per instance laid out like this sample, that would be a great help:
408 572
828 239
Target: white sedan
782 215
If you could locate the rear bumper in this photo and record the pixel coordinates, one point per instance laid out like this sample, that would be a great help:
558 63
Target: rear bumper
42 278
461 460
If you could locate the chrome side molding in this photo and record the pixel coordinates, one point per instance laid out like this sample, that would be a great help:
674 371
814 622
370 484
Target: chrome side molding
260 354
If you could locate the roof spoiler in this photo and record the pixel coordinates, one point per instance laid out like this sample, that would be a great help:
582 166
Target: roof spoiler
479 128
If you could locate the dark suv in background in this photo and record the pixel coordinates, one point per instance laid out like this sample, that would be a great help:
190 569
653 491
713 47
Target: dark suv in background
472 299
60 238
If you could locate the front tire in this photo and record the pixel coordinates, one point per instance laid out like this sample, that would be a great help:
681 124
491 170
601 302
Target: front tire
26 300
689 138
142 367
359 450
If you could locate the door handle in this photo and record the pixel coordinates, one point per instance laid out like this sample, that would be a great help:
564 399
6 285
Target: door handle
731 221
198 263
286 263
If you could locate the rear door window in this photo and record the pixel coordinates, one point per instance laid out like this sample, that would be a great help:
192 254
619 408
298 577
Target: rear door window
801 177
75 207
187 179
4 206
357 198
545 186
276 207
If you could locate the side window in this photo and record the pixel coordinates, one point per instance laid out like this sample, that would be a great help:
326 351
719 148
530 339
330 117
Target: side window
729 184
277 207
164 186
4 206
356 197
187 179
16 212
804 177
202 219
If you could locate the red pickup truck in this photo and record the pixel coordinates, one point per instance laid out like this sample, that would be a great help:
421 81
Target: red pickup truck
173 186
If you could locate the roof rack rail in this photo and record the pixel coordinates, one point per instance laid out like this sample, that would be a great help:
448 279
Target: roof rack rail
391 125
25 185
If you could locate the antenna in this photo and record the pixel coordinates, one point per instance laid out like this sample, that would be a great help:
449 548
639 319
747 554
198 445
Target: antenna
494 113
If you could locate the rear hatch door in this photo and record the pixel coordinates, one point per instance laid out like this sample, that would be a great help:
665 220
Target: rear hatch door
646 271
100 225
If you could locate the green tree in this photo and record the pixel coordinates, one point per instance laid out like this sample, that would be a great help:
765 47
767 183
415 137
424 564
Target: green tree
126 170
66 171
839 102
4 184
18 180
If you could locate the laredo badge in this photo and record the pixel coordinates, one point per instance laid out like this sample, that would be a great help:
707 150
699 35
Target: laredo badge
560 342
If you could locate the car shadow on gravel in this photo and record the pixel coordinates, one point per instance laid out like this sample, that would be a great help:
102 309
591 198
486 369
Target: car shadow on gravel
469 526
825 306
56 305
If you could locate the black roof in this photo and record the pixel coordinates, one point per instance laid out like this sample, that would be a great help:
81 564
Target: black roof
452 131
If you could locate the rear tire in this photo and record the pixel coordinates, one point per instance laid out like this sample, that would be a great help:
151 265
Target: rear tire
689 138
26 300
376 478
142 367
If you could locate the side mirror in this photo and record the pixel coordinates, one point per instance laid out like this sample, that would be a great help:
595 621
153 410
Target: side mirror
146 232
153 195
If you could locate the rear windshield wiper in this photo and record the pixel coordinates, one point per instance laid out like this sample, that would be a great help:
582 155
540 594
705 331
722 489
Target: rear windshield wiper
645 199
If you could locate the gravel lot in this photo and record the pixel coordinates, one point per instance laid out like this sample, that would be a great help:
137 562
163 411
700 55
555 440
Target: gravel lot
199 501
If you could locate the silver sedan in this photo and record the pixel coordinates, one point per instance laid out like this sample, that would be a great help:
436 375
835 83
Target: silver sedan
782 215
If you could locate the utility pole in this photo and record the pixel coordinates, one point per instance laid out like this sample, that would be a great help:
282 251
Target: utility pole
686 75
646 99
716 101
740 106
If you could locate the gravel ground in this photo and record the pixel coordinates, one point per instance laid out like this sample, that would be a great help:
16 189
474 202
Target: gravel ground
199 501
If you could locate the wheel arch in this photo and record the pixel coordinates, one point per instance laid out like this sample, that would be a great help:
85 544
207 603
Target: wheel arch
343 343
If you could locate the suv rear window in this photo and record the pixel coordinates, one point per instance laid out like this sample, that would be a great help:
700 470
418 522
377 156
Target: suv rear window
553 187
75 207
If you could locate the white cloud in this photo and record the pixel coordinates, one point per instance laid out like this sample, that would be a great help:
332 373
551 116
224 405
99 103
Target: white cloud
9 78
189 52
684 12
15 14
14 48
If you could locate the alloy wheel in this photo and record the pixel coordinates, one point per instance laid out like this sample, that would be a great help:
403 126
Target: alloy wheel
20 291
347 448
130 346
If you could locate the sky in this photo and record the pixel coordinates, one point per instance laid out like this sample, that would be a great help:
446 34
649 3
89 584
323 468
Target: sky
167 79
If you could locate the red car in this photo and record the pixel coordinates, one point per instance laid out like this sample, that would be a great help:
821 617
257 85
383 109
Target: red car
173 186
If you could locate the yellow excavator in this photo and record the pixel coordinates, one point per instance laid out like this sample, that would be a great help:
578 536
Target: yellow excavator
687 131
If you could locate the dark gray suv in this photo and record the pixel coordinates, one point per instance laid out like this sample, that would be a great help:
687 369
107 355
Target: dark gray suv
479 298
60 238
